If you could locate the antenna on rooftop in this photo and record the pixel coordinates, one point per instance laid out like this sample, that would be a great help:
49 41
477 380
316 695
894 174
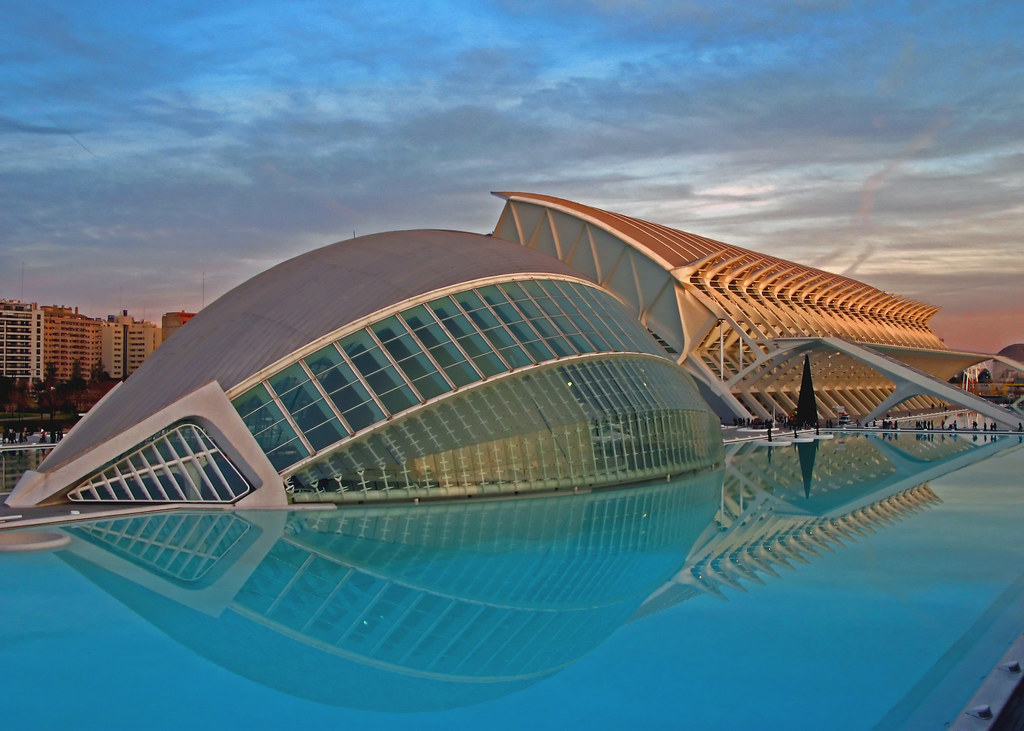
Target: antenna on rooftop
203 301
22 295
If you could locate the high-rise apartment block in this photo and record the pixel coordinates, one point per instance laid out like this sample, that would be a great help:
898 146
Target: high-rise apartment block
21 340
70 337
127 342
171 321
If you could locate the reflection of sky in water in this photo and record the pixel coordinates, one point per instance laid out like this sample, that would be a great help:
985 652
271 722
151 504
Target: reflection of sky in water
569 591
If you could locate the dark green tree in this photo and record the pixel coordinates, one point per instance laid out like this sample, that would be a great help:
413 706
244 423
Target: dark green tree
97 373
7 390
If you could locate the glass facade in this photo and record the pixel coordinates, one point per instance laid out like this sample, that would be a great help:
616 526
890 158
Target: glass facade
585 423
427 351
180 464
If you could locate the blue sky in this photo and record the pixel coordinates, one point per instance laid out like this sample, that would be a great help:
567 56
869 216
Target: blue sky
144 144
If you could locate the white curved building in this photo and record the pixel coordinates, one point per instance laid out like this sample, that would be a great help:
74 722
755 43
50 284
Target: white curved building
555 354
413 364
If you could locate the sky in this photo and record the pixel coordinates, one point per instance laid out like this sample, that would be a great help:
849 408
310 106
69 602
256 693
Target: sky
155 155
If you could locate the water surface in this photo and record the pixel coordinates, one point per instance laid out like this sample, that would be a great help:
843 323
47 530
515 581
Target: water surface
846 583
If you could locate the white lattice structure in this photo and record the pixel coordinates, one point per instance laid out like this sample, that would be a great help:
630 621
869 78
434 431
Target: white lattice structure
740 321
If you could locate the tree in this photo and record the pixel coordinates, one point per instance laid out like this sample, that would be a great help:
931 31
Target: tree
97 373
75 386
50 374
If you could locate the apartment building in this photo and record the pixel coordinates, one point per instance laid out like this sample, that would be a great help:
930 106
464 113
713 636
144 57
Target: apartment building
126 343
70 336
171 321
21 340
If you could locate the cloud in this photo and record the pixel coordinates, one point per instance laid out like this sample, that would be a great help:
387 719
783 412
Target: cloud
184 138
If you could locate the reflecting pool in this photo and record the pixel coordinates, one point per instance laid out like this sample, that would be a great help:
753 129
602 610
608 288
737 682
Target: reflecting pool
845 582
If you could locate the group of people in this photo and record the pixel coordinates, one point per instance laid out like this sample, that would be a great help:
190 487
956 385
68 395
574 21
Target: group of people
929 425
10 436
13 437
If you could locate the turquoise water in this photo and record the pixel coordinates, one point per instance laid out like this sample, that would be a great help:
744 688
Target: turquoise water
810 585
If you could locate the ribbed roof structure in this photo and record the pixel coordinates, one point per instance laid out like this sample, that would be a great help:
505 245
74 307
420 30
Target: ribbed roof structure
793 299
737 319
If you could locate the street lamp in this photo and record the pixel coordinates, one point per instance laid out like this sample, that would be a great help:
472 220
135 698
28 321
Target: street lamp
52 435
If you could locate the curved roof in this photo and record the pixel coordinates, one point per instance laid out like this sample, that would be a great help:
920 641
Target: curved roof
1015 351
293 304
707 260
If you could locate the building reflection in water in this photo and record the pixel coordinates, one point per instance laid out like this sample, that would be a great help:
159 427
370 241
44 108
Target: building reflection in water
401 608
419 607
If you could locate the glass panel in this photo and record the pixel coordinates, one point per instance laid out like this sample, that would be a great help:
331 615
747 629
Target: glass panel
475 346
483 319
235 483
445 309
513 291
418 317
288 379
533 288
326 434
351 397
431 335
149 452
431 385
455 366
263 419
399 399
384 380
360 416
313 415
337 378
274 435
251 400
300 397
552 337
469 301
492 295
572 311
486 361
165 451
597 320
364 353
515 356
136 463
462 373
565 325
447 355
323 360
417 367
441 347
287 454
388 329
457 324
402 347
619 322
528 308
